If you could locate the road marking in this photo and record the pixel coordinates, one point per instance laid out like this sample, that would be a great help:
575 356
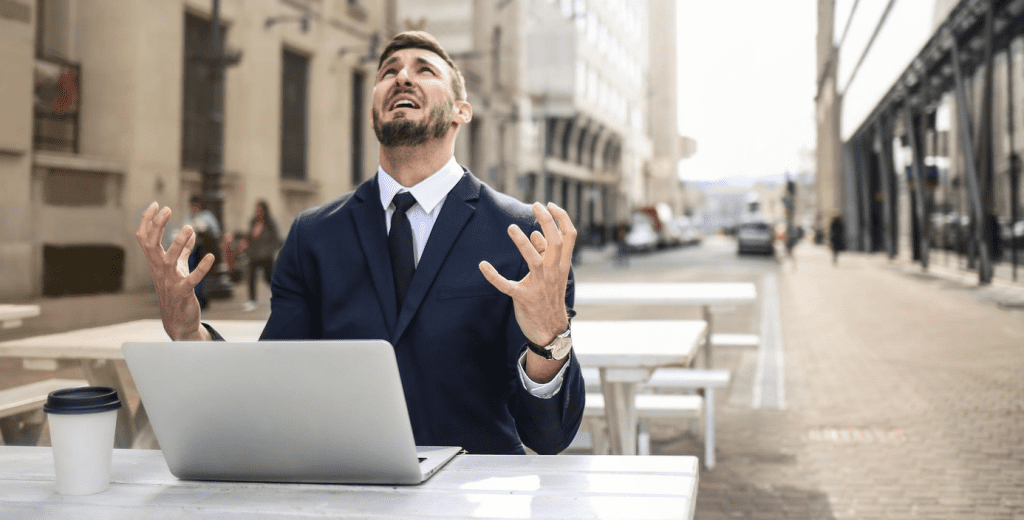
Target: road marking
769 380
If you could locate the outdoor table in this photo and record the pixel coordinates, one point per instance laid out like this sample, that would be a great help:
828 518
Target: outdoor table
98 351
704 294
469 486
626 354
12 315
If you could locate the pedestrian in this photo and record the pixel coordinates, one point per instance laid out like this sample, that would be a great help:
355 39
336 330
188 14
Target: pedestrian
622 247
260 248
837 237
207 229
471 287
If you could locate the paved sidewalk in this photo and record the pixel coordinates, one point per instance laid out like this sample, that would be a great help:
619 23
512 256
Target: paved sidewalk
905 399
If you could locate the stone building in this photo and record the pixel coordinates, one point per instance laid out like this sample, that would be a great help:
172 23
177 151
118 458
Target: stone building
105 110
562 100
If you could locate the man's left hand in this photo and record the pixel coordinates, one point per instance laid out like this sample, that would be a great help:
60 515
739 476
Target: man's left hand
539 298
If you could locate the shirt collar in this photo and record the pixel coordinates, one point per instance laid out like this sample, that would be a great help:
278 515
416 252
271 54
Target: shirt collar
428 193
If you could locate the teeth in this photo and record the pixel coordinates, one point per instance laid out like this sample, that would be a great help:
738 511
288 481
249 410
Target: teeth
405 103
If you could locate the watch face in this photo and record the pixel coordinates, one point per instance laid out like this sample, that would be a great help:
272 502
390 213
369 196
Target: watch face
560 348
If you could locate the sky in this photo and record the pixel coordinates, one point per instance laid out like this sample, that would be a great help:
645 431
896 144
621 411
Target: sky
747 78
746 87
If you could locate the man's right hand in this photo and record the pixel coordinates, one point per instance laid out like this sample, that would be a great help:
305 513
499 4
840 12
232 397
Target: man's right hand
175 286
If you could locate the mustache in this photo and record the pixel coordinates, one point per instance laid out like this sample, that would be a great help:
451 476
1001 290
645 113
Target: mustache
398 91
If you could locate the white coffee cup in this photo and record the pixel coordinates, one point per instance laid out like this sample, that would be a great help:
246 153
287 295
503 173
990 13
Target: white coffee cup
82 422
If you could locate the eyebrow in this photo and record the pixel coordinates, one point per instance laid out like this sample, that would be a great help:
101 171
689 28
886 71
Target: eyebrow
419 59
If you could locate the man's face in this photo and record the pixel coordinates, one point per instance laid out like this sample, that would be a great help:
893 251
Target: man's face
413 100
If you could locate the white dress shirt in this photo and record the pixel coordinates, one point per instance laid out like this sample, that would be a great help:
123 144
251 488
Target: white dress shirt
430 194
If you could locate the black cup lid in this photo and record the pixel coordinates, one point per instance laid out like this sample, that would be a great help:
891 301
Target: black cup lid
87 399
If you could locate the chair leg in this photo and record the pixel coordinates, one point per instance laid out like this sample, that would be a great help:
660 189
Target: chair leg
643 437
709 428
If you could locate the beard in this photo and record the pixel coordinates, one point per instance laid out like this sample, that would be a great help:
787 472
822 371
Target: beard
402 132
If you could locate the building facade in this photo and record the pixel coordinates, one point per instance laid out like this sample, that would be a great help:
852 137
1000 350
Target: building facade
930 169
106 109
562 100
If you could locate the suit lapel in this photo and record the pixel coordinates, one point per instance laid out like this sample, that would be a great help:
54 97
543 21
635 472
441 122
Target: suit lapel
369 222
455 213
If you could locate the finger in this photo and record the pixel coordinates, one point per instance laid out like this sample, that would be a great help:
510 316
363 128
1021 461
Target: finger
147 216
156 228
187 250
185 236
526 249
200 271
568 234
494 277
551 234
539 242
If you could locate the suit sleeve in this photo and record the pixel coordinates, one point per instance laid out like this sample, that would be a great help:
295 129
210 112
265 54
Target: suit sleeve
296 290
547 426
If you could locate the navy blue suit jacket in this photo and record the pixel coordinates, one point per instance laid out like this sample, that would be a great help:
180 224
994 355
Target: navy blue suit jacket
456 338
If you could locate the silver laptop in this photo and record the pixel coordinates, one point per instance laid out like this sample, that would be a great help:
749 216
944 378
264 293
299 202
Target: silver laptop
281 411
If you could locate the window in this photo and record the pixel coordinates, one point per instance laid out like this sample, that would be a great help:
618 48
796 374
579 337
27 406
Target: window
358 118
196 102
57 82
52 29
294 114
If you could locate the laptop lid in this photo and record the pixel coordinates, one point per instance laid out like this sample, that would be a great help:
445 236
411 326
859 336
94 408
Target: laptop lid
281 411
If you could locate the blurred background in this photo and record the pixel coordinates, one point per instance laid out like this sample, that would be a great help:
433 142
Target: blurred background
680 135
654 122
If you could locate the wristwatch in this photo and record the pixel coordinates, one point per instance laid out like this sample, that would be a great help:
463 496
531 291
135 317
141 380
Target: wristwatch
557 349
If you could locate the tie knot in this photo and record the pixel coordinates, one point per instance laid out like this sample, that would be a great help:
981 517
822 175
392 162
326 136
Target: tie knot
403 201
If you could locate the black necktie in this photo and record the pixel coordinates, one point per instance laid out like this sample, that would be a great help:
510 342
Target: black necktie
403 261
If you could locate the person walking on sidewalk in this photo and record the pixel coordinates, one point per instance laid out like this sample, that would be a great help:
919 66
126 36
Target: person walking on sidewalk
837 237
207 231
261 248
472 288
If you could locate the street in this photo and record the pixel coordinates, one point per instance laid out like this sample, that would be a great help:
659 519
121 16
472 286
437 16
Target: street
901 393
878 391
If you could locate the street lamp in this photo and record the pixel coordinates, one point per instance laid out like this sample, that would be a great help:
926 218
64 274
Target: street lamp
219 284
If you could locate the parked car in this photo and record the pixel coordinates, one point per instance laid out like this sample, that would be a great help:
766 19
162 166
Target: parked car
642 235
1012 234
685 231
755 237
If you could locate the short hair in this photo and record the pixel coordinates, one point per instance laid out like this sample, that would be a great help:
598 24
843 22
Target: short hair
426 41
195 199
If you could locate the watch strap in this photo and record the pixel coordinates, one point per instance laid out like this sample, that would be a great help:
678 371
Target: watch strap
539 350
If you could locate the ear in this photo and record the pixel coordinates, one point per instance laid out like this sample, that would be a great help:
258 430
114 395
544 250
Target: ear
462 112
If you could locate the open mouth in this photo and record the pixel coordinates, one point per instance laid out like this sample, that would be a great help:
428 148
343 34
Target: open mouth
404 103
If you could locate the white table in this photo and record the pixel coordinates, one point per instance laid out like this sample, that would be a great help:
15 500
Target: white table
704 294
626 353
98 351
470 486
11 316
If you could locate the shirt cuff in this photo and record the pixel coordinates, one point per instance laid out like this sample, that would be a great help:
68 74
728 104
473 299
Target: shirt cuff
541 390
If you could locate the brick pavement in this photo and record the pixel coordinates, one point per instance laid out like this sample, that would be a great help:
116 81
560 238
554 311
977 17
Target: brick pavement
905 400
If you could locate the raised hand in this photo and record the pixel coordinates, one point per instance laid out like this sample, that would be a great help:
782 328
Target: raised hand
539 298
175 285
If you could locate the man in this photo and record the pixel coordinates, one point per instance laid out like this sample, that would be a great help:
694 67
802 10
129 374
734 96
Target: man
485 360
837 237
